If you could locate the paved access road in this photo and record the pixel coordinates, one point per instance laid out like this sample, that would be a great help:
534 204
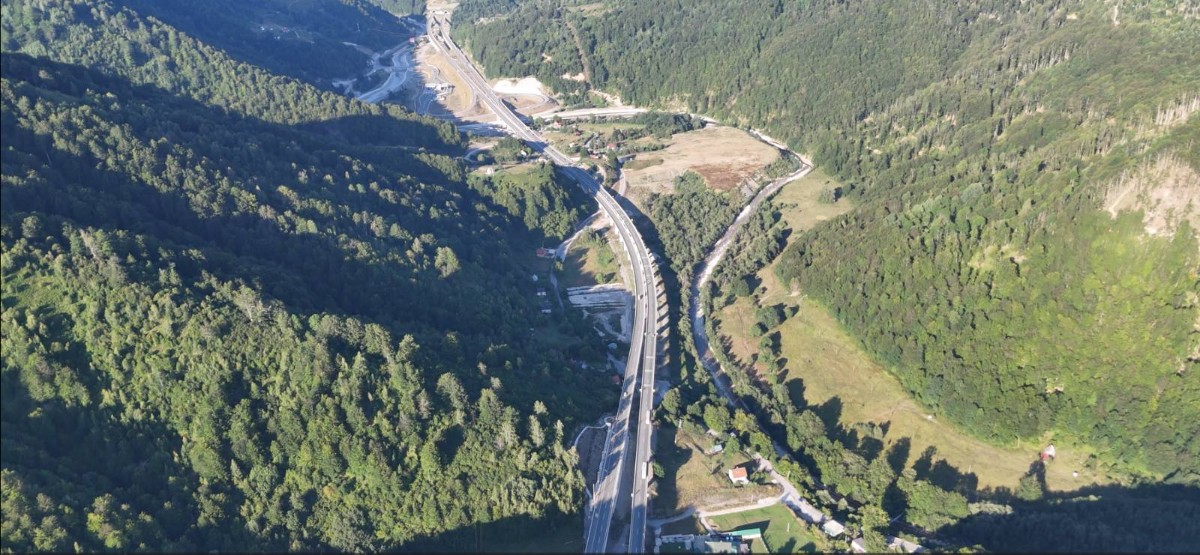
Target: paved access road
644 341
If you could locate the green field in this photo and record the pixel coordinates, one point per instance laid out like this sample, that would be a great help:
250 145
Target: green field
782 531
643 161
591 261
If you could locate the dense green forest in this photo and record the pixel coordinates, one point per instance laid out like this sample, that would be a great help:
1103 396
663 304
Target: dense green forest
242 312
983 141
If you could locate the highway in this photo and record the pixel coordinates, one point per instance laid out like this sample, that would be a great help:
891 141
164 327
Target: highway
397 73
644 339
619 111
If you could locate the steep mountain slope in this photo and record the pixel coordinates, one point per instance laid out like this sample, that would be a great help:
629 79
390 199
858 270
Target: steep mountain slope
998 262
316 41
232 320
115 37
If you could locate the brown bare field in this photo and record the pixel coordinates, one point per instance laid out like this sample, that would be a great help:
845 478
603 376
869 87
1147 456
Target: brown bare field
829 363
724 156
460 103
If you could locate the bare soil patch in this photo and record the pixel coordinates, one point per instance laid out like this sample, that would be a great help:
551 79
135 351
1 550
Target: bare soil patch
724 156
434 66
1167 191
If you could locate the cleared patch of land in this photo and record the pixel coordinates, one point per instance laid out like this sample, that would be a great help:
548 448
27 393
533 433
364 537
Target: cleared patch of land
642 163
782 532
694 479
724 156
825 362
801 209
1165 191
591 261
434 66
591 10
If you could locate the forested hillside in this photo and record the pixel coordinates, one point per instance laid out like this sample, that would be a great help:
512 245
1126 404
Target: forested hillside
1025 255
315 41
243 313
114 37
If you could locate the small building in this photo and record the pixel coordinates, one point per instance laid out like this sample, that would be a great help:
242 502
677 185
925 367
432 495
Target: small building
805 510
833 528
746 534
718 546
738 475
857 545
901 544
682 540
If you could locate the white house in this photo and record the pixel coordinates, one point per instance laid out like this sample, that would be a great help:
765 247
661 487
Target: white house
833 528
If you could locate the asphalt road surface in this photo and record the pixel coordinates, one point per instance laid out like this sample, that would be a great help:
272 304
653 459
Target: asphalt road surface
644 341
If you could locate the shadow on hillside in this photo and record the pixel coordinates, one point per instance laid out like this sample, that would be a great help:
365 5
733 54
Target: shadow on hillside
1153 517
295 237
316 59
555 533
79 453
949 478
672 459
302 270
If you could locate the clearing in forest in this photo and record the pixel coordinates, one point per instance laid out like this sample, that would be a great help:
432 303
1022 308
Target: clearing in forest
723 156
590 260
694 474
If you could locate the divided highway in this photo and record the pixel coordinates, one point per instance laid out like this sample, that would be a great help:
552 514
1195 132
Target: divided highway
637 386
